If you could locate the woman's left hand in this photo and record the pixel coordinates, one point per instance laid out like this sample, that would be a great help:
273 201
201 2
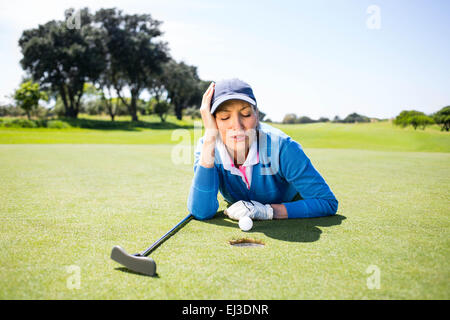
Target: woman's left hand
252 209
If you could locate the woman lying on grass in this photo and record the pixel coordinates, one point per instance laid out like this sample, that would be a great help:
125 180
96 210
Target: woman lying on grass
258 169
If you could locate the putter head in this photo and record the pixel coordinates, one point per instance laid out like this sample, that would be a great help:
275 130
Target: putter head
134 263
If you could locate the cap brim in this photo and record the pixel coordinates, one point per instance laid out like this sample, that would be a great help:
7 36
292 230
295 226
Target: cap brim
238 96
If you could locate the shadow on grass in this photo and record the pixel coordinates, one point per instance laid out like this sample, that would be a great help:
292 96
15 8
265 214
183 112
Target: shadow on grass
292 230
122 125
126 270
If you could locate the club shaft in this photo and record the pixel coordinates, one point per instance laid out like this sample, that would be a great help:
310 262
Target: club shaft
149 250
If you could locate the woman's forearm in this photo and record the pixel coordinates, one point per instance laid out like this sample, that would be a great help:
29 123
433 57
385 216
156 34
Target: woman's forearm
311 208
202 200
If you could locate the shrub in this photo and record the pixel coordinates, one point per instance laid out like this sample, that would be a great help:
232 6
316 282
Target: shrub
442 118
20 123
41 123
57 124
413 118
11 110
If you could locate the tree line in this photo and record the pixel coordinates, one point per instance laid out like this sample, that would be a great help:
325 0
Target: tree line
416 119
104 63
419 119
351 118
120 55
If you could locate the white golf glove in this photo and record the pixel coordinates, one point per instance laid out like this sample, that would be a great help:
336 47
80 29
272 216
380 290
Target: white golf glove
253 209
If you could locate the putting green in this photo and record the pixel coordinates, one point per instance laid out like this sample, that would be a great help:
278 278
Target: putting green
63 207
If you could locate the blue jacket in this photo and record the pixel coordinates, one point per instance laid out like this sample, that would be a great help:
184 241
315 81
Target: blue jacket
283 172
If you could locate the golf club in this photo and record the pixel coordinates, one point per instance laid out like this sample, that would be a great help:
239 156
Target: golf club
139 262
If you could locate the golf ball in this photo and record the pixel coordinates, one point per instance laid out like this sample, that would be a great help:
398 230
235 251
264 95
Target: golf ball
245 223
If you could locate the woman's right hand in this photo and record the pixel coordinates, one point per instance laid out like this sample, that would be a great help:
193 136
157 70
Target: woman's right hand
209 122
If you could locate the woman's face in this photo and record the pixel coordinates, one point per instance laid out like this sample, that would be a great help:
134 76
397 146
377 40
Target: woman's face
237 121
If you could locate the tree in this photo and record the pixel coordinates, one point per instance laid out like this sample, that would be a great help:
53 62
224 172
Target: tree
196 99
442 118
413 118
133 55
28 96
336 119
105 83
62 59
91 100
420 121
183 86
193 112
111 105
290 118
305 119
354 118
403 119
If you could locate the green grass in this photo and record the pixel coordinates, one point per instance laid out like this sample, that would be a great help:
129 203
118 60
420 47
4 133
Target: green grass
89 129
64 205
67 196
381 136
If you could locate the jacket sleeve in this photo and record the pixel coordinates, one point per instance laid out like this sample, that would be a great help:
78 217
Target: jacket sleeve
318 199
202 201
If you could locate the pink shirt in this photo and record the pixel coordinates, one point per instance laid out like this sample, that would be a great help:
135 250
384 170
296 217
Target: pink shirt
246 169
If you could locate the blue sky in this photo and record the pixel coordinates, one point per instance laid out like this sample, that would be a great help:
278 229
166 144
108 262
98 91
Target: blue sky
315 58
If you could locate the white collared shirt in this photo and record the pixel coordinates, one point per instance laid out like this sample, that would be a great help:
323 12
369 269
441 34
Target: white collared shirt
244 171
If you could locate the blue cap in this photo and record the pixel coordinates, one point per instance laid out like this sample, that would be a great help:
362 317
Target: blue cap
231 89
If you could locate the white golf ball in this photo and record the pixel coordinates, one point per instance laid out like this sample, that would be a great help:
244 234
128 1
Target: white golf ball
245 223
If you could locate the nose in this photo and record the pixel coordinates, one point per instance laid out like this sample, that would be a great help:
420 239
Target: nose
236 123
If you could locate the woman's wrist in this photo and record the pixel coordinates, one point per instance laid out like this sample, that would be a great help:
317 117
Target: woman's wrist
208 154
279 211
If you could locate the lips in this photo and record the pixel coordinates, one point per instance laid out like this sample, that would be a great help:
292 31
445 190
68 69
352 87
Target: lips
238 138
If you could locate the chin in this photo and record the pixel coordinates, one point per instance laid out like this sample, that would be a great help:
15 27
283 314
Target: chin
238 148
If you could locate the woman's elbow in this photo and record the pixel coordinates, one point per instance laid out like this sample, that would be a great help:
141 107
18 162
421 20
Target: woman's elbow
203 212
333 203
203 215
